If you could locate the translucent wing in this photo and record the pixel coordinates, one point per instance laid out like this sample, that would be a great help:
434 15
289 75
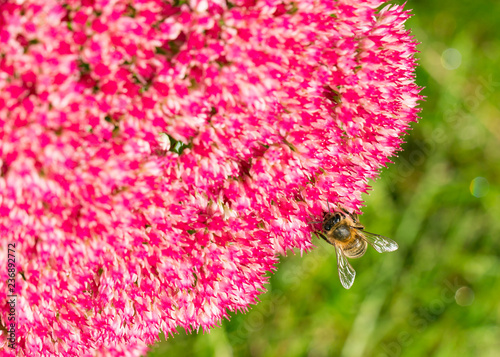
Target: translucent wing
380 243
346 272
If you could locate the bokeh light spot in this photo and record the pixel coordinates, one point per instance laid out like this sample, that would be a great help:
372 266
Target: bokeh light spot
479 187
464 296
451 59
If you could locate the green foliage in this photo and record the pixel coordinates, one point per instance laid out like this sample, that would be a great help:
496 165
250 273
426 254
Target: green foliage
410 302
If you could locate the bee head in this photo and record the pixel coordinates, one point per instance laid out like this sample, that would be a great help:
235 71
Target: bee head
330 221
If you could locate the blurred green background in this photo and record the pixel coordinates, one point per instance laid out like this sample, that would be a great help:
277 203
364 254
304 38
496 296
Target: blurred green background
438 295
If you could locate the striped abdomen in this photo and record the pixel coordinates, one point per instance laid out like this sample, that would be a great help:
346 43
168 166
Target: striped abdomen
354 247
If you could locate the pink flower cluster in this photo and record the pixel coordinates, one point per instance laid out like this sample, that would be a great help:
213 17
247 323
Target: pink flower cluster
156 156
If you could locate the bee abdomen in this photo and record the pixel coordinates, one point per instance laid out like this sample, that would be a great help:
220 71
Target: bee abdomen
355 248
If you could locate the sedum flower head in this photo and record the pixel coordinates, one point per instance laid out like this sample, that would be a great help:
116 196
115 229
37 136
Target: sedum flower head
156 156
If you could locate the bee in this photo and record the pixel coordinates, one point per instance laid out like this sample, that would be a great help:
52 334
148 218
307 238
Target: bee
344 231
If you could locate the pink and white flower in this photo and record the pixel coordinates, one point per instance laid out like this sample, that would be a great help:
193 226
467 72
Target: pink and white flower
156 158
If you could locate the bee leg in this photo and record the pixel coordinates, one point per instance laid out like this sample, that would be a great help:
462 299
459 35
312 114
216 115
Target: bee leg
355 216
322 236
345 211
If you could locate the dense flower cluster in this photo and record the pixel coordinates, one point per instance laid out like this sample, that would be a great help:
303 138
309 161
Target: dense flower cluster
156 156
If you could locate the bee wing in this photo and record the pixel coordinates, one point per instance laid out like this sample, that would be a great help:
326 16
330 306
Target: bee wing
346 271
380 243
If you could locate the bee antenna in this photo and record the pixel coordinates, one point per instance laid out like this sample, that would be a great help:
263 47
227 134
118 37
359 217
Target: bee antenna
328 205
314 222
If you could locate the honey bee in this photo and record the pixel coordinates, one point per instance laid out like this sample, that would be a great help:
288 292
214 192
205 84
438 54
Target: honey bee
347 235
